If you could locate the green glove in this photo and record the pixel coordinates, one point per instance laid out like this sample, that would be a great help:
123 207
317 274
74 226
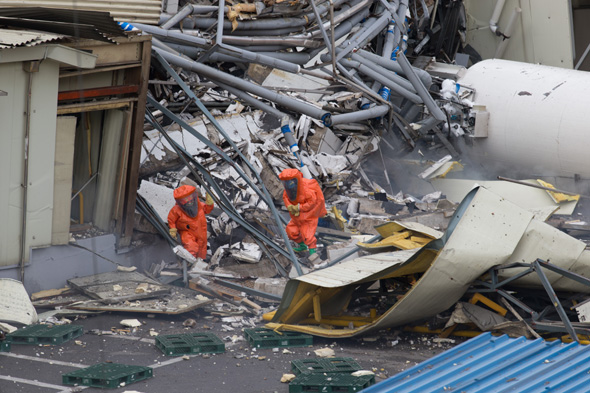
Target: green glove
293 209
208 199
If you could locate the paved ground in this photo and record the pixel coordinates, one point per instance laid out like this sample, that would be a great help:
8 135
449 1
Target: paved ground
31 369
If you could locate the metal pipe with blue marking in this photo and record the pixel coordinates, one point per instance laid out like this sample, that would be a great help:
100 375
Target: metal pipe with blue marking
292 143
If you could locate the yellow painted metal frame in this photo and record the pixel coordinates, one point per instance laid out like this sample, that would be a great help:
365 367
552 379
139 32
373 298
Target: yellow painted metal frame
478 297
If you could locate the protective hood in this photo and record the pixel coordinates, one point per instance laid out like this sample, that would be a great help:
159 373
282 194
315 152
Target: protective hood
291 188
186 198
292 181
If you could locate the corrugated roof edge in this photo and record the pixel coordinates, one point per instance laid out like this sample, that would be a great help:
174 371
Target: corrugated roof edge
496 364
9 38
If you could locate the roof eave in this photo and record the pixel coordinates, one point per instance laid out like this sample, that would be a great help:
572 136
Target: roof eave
62 54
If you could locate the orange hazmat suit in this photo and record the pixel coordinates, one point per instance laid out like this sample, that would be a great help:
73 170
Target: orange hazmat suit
192 226
308 196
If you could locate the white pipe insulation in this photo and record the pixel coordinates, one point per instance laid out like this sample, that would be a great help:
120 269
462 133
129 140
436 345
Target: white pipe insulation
496 15
539 116
508 33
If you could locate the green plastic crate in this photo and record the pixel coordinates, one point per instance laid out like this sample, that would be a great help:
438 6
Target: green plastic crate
189 344
107 375
330 365
45 334
266 338
4 346
330 383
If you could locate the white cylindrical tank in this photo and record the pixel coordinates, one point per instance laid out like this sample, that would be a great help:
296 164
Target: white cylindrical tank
539 116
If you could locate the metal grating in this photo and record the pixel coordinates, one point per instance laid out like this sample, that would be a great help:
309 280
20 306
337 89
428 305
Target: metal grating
497 364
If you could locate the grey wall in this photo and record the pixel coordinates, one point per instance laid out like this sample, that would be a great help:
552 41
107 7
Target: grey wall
50 267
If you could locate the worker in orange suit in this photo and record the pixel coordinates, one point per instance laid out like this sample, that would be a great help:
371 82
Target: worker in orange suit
187 217
306 204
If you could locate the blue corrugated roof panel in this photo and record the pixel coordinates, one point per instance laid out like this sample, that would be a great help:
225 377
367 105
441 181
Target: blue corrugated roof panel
497 364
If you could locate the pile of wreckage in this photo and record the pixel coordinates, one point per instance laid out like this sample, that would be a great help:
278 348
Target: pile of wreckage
236 98
240 91
361 95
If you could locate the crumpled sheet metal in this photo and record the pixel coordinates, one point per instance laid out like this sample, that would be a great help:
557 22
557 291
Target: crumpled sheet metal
486 230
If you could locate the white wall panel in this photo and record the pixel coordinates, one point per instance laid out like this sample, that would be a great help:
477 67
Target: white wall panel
543 32
62 192
42 154
11 108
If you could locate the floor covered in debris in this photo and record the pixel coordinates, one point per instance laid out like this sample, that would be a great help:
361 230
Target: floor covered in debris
34 368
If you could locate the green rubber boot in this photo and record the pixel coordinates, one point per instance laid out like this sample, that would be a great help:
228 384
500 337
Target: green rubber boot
302 247
312 251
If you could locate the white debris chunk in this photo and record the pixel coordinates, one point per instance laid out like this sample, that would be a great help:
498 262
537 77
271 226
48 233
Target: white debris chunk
360 373
331 164
286 378
7 328
130 323
324 353
246 252
126 268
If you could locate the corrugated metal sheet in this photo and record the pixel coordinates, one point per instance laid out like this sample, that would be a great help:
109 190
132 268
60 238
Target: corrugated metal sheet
101 21
14 38
357 270
70 29
142 11
497 364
